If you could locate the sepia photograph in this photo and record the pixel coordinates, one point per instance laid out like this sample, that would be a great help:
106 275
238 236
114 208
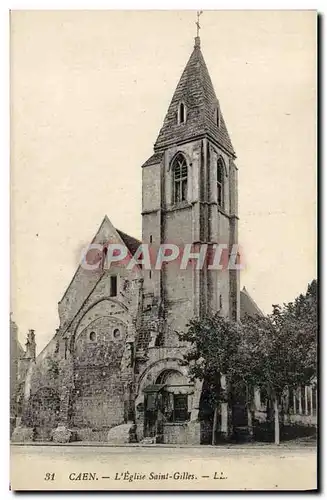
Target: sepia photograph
163 220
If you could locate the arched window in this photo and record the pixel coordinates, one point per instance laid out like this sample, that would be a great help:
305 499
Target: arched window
181 118
220 183
179 170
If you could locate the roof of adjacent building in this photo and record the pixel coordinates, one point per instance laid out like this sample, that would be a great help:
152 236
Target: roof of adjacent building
248 305
196 91
154 159
131 242
18 351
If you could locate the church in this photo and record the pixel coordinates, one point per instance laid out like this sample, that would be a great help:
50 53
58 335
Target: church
113 371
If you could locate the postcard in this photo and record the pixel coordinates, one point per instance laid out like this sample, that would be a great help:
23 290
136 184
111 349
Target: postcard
163 323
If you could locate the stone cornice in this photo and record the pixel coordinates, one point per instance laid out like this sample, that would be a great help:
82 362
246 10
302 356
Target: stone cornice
194 138
175 208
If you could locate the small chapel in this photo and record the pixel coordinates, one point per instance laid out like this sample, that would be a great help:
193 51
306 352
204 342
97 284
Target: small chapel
114 369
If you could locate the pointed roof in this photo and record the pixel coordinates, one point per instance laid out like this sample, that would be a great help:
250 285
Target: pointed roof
106 233
131 242
247 305
196 91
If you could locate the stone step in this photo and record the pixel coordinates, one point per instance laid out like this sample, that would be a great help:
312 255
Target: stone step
148 440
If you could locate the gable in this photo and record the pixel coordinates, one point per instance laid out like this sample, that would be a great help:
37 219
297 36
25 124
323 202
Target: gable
84 280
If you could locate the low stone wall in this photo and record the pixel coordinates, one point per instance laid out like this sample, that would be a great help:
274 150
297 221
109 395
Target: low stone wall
23 434
122 434
88 434
289 418
181 433
310 420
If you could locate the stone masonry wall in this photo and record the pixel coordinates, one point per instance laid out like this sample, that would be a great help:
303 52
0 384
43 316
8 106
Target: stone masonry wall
99 395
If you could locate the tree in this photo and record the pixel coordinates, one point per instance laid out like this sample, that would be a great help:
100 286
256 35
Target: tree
301 317
273 353
281 348
213 356
266 359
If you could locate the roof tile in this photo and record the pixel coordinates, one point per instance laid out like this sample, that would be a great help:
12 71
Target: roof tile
195 89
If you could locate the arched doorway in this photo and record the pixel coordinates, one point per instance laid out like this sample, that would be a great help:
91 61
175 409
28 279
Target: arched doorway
167 404
175 396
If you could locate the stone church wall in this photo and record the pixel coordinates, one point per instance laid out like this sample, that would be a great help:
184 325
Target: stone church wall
83 283
99 333
40 406
44 372
99 394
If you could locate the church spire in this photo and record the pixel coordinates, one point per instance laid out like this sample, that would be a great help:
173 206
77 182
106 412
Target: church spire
194 111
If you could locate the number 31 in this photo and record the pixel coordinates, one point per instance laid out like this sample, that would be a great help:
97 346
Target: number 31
49 476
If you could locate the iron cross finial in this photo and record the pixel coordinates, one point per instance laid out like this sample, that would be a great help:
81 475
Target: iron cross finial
198 27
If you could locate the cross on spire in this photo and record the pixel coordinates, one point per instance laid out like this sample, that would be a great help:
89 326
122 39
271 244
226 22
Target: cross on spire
198 27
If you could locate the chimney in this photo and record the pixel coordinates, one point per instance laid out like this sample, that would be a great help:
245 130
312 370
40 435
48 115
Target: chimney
30 345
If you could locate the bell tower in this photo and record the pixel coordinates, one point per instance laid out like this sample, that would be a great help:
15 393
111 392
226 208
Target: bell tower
190 200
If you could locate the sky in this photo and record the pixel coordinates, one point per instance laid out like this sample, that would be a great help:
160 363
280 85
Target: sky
89 92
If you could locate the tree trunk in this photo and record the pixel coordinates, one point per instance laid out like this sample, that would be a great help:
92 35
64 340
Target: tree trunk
250 410
224 419
250 422
214 425
224 416
276 418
